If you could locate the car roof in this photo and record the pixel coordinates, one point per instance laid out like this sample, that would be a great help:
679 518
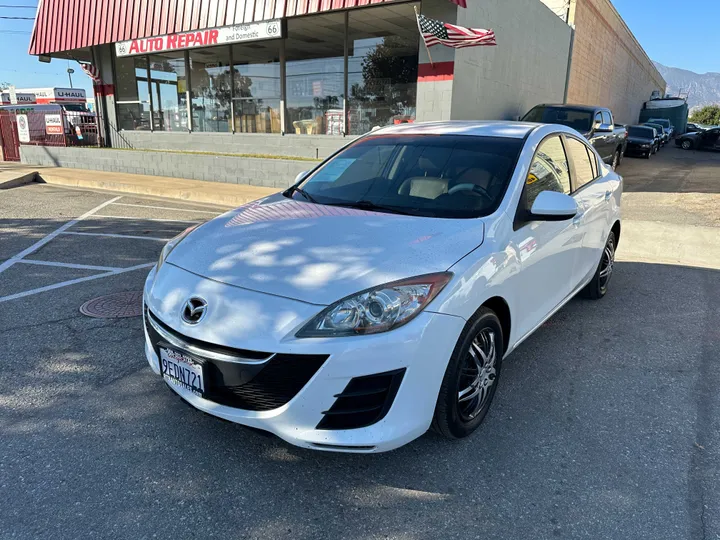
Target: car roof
589 108
511 130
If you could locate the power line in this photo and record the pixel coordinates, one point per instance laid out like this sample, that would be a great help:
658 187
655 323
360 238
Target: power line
19 18
17 7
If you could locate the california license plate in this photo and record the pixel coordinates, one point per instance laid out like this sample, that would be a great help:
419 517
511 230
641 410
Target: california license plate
181 370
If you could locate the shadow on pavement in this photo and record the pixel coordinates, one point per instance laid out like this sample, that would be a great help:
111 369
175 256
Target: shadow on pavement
603 427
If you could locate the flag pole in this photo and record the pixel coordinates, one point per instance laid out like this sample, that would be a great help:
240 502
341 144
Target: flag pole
417 19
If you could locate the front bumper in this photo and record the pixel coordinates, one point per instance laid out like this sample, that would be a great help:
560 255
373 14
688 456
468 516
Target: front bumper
414 356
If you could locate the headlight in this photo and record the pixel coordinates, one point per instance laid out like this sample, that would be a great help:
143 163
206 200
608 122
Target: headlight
645 146
172 244
378 309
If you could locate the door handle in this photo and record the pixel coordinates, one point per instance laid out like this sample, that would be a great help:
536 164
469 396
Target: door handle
608 194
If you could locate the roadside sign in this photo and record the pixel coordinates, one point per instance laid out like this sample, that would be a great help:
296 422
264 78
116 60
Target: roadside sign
53 124
23 128
13 95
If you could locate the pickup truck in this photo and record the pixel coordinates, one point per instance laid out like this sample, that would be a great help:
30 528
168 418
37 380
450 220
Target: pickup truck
596 124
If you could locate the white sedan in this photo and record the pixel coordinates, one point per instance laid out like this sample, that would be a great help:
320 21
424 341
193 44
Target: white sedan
378 296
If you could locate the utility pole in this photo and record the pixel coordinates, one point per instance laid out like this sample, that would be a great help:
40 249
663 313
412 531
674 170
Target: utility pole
70 71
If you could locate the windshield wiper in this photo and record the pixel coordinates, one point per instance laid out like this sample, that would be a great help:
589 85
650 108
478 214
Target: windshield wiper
369 205
295 189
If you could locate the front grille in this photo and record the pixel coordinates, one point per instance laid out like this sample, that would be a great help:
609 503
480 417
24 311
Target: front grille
254 381
272 387
365 401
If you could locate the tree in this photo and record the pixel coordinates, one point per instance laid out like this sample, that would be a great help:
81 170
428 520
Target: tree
709 115
4 85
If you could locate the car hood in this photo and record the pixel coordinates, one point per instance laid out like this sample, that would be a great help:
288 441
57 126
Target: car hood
320 254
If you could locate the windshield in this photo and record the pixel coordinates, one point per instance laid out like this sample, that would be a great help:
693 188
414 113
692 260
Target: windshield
579 119
644 133
74 107
425 175
663 123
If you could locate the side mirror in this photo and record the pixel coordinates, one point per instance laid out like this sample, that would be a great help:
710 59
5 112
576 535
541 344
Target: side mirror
604 128
553 206
300 176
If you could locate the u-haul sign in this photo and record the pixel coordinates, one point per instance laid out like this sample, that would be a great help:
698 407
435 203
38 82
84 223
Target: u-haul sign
53 124
203 38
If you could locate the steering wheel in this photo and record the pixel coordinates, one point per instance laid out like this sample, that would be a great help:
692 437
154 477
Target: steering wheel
471 187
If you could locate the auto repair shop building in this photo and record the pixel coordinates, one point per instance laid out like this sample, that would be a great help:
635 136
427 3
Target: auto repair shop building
293 78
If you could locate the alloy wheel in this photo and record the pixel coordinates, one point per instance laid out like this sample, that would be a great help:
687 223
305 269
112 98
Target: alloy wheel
478 375
616 160
607 265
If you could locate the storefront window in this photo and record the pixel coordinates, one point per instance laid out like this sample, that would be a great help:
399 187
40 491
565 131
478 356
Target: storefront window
315 74
382 67
257 87
133 101
210 81
169 84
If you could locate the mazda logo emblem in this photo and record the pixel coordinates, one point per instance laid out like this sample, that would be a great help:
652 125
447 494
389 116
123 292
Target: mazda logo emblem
194 310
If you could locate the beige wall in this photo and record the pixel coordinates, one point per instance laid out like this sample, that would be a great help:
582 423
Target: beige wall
528 66
609 67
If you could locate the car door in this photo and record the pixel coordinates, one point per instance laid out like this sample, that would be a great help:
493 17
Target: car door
711 139
599 139
546 249
610 141
592 193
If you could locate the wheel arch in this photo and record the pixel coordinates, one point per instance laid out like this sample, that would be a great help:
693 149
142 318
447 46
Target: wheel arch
501 308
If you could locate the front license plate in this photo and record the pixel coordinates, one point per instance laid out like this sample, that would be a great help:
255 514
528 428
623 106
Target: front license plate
181 370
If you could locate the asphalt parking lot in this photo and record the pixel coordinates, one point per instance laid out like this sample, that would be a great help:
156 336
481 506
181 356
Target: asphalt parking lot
605 424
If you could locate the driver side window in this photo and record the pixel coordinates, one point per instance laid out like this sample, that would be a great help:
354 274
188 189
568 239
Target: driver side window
548 171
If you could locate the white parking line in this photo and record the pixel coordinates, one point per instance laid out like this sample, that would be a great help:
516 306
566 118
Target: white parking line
40 243
72 282
148 219
69 265
111 235
168 208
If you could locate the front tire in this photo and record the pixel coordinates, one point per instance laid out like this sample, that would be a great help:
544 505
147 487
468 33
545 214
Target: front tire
686 145
616 160
598 286
471 377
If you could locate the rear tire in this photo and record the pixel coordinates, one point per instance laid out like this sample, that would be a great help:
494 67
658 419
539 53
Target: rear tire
686 145
471 377
616 160
598 286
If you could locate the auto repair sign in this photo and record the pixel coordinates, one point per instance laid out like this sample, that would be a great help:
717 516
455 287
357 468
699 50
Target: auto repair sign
53 124
203 38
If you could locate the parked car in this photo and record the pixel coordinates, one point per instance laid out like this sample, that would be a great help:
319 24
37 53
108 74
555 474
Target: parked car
596 124
666 124
378 296
664 137
693 128
643 141
701 140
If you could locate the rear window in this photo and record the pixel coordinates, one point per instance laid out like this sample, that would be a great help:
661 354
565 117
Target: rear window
450 176
646 133
579 119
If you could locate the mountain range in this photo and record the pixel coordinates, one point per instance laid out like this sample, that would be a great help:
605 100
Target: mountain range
703 89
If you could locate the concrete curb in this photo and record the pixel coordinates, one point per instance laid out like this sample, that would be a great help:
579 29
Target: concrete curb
204 192
26 178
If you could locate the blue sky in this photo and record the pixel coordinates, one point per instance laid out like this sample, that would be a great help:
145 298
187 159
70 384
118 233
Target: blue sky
672 34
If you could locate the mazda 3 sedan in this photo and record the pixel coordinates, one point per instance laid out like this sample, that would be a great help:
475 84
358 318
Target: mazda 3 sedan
378 296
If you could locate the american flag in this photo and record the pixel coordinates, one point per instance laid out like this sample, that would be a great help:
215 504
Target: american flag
440 33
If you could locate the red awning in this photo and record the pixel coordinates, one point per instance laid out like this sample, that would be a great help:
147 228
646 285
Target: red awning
64 25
